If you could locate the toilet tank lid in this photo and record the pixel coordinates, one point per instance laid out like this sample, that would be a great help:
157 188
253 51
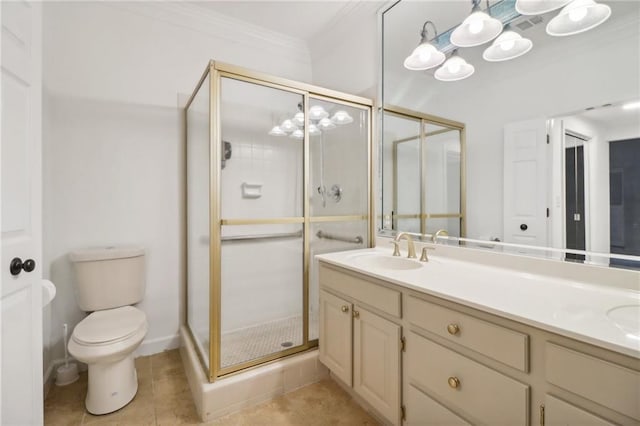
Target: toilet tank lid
105 253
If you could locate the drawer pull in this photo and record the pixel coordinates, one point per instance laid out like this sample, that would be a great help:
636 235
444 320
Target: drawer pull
453 329
344 308
454 382
356 314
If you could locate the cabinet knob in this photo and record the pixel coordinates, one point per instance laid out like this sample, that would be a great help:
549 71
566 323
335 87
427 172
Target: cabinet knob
453 329
344 308
454 382
356 314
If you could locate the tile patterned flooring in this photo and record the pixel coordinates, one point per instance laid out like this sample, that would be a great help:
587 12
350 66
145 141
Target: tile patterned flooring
164 398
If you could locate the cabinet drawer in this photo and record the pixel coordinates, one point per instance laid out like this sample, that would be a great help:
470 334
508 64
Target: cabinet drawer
377 296
486 395
424 411
608 384
503 345
560 413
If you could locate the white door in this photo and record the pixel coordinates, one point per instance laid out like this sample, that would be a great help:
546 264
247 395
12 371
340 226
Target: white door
525 182
21 214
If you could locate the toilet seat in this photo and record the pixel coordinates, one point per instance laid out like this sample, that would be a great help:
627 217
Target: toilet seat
110 326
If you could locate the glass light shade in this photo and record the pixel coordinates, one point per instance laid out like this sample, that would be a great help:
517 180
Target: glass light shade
316 112
313 130
424 57
277 131
478 28
297 134
298 119
538 7
288 126
508 45
341 117
326 124
577 17
454 69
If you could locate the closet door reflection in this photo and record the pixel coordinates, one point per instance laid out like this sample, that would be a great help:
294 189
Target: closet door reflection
262 245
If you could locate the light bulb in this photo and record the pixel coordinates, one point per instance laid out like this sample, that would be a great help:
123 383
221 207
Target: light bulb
476 26
453 67
424 55
507 45
577 15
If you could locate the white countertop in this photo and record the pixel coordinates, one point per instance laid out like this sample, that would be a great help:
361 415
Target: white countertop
608 317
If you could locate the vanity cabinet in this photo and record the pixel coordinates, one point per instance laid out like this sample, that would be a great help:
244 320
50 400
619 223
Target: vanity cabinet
357 343
462 365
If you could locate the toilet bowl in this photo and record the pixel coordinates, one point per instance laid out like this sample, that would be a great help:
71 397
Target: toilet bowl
108 281
106 341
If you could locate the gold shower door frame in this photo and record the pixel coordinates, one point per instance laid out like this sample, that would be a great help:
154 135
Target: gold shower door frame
216 71
448 126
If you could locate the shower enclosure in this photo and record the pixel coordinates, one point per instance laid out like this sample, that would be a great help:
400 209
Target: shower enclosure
277 171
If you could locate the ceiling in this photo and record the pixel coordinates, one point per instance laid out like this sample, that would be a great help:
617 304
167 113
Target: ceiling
302 19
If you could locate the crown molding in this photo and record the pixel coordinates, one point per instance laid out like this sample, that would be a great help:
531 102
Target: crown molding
203 20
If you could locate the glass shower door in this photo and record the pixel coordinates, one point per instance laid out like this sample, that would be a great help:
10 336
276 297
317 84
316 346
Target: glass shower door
338 189
261 207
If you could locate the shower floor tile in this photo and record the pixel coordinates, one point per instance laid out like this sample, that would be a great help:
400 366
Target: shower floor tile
264 339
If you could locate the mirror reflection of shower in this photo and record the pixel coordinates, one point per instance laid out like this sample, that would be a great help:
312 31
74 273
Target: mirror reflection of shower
319 124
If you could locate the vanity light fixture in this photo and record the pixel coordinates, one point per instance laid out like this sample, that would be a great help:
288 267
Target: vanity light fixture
538 7
288 126
298 119
477 28
577 17
316 112
454 69
508 45
341 117
313 130
277 131
326 124
297 134
425 56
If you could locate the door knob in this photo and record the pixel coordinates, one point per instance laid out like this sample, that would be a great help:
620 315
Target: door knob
523 227
17 265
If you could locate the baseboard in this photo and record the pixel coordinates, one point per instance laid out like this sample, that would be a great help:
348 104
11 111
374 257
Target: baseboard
160 344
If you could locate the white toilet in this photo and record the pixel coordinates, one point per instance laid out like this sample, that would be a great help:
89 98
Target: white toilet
108 280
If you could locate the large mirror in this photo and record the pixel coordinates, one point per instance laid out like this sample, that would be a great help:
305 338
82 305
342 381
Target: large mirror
552 137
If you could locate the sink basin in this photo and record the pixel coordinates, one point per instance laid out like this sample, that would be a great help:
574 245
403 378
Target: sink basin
380 261
626 317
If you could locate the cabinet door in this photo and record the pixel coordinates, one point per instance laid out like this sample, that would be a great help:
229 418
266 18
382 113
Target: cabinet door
560 413
376 362
336 336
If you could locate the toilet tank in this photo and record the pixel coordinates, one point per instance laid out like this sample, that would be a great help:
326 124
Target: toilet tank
108 277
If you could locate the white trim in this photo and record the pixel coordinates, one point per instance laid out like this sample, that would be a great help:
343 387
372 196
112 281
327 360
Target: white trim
157 345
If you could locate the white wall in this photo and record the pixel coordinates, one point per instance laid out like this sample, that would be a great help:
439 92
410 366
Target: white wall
113 137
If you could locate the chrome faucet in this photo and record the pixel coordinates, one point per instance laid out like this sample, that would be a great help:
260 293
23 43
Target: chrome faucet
411 249
438 233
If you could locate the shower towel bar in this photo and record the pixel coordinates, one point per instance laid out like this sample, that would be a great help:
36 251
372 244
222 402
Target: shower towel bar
355 240
262 236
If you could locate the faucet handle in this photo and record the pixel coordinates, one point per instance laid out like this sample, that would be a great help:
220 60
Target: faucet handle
424 257
396 248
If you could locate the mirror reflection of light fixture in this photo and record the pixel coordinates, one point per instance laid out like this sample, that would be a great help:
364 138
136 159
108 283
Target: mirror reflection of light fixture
313 130
508 45
477 28
326 124
298 119
631 105
577 17
341 117
297 134
425 56
288 126
538 7
316 112
454 69
277 131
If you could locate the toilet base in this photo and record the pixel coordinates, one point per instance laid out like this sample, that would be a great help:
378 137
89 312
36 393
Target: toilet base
111 385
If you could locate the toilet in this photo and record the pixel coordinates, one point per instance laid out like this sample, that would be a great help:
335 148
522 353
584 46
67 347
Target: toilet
108 281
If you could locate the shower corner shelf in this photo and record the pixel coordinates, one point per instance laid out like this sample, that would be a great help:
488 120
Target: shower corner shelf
251 190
